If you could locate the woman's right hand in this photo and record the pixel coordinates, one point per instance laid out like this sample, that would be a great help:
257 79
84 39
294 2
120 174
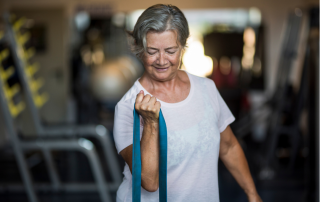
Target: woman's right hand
148 107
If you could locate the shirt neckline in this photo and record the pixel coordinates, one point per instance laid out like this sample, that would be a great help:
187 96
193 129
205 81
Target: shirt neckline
176 104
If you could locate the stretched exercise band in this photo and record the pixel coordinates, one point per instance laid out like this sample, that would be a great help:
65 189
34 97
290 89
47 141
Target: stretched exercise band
136 159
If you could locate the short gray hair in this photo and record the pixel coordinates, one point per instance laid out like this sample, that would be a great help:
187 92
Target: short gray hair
158 18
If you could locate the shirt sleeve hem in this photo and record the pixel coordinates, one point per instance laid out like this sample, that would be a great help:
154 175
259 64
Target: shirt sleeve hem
122 148
226 123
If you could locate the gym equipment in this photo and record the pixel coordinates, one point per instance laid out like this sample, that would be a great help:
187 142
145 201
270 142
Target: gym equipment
288 54
34 100
82 145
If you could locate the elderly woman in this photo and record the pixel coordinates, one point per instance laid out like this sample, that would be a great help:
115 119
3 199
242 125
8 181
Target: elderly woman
197 118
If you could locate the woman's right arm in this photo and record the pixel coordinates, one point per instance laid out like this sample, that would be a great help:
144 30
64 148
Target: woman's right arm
148 107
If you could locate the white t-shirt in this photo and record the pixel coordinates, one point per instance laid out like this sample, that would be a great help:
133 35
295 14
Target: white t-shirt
194 126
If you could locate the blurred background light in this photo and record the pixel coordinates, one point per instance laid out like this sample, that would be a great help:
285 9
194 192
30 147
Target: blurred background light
82 20
254 16
194 59
119 19
225 65
249 39
132 18
85 143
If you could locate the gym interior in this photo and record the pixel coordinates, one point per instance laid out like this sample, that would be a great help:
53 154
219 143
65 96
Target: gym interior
64 65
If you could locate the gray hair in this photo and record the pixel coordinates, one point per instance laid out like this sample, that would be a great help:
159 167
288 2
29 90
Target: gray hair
158 18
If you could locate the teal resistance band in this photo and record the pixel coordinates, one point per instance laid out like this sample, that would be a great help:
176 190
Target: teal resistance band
136 159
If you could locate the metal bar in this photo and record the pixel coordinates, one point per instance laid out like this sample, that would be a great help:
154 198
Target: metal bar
96 131
84 146
19 64
47 187
290 46
16 147
103 136
98 175
53 174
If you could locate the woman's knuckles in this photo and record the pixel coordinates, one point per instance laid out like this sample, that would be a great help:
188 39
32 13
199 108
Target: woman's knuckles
147 105
146 98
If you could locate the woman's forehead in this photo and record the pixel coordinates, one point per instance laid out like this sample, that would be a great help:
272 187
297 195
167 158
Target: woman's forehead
164 39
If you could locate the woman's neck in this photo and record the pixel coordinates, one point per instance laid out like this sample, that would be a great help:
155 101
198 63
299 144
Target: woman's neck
153 85
172 90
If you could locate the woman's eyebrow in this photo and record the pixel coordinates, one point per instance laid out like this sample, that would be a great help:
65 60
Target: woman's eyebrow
173 47
152 48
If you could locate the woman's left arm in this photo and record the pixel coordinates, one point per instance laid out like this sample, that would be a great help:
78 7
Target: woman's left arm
234 159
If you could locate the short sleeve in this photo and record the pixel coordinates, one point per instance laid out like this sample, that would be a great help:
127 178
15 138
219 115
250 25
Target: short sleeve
225 117
123 125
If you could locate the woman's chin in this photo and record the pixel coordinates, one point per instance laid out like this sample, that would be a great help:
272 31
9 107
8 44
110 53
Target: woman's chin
163 75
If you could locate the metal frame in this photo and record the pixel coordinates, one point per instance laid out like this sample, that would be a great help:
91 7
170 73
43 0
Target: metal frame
293 130
46 146
82 145
289 52
97 131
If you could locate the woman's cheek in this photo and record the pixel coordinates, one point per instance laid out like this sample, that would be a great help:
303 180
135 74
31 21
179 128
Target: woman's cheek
149 61
175 59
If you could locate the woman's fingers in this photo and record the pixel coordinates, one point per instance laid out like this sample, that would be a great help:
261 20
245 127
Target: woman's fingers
153 100
151 104
146 99
157 107
147 106
140 97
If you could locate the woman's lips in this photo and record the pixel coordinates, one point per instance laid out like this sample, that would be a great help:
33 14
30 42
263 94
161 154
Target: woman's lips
161 69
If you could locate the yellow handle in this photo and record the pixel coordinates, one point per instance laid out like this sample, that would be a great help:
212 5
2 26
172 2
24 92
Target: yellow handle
29 53
15 110
4 54
40 100
32 69
22 39
10 92
18 24
6 74
35 85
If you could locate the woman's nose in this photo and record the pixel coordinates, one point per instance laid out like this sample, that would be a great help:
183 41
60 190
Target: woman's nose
161 59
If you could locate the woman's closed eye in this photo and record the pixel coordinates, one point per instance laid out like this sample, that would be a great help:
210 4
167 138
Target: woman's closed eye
152 52
171 50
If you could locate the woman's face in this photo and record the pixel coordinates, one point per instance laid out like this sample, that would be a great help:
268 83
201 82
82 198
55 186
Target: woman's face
163 55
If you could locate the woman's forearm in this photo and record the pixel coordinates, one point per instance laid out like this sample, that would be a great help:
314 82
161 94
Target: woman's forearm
150 156
236 163
234 159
